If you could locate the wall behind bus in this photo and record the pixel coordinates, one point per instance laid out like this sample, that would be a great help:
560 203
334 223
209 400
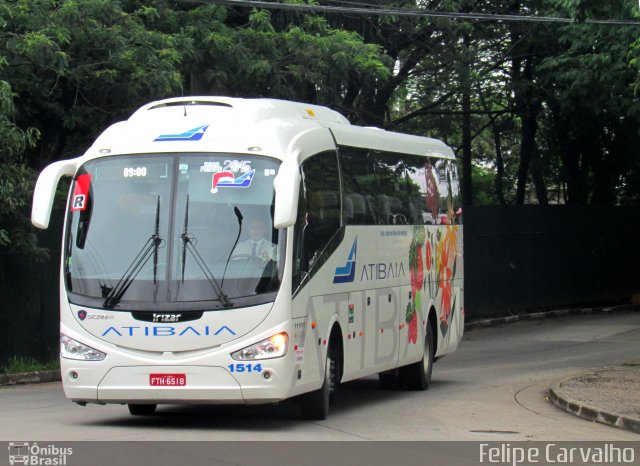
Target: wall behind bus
516 258
531 257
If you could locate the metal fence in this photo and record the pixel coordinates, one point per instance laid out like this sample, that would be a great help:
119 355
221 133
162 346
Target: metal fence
516 258
29 303
532 257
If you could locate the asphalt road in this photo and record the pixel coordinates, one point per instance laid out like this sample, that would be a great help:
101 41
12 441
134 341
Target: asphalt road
492 389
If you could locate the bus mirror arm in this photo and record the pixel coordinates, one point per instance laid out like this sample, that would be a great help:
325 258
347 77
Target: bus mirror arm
45 191
286 186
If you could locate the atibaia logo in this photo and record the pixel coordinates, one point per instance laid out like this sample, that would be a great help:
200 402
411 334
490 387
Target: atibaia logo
194 134
347 272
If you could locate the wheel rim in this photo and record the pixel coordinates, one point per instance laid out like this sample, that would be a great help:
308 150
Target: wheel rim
331 363
426 357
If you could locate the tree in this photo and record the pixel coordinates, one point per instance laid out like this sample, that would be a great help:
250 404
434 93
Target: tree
594 112
78 66
302 58
16 179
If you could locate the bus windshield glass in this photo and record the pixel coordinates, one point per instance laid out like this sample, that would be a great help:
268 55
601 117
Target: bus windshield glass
190 231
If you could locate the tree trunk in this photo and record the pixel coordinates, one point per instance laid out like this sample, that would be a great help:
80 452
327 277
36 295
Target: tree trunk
465 81
499 183
528 107
537 173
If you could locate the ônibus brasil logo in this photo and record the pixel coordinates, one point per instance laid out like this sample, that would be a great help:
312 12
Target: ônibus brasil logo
32 453
347 272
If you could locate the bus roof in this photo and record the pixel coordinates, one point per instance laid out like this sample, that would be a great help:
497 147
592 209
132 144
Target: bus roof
236 125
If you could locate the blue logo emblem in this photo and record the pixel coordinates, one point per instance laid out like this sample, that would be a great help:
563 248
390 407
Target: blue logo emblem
347 272
194 134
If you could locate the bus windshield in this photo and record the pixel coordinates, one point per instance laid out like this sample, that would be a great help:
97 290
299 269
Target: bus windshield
181 231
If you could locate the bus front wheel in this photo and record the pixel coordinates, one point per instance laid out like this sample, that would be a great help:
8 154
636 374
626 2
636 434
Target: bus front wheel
142 410
315 405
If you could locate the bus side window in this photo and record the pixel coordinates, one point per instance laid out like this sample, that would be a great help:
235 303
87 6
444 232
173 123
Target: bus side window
360 186
319 211
448 192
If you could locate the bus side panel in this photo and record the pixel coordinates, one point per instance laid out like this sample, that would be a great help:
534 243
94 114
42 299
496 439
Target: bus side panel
367 296
383 306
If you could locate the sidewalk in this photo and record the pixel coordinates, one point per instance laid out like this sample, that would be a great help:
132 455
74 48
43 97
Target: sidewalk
29 377
609 395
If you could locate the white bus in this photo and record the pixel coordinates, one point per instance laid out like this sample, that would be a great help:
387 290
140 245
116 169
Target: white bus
225 250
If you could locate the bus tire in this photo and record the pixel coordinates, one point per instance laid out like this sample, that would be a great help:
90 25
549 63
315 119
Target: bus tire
417 376
142 410
315 405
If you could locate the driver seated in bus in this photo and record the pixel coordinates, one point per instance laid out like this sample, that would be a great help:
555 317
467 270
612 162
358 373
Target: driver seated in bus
258 246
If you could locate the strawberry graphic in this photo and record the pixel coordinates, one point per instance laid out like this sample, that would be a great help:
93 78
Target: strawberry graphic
413 328
416 273
419 275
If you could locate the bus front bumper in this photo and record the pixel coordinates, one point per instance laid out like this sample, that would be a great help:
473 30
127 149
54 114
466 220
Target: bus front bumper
175 385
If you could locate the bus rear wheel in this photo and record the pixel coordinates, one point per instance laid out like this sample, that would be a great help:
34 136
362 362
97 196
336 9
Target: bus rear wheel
417 376
315 405
142 410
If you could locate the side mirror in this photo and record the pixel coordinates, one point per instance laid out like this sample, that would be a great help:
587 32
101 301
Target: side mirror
286 185
45 191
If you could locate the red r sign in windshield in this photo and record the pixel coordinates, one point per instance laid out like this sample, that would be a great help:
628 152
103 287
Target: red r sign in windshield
81 192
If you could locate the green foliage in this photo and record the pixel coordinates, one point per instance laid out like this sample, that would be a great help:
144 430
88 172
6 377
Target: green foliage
303 59
576 86
594 113
79 65
484 180
18 364
16 180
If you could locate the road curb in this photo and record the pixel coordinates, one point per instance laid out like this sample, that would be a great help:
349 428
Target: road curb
497 321
30 377
585 411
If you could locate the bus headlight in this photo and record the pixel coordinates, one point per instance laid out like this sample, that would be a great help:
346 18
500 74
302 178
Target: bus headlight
72 349
272 347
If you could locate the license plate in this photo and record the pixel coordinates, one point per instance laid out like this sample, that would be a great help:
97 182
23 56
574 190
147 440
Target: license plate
167 380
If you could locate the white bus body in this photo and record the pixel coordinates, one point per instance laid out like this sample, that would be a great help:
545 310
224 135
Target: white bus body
165 300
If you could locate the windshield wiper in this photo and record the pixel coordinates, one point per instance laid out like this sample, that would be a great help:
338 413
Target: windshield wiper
187 244
150 247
